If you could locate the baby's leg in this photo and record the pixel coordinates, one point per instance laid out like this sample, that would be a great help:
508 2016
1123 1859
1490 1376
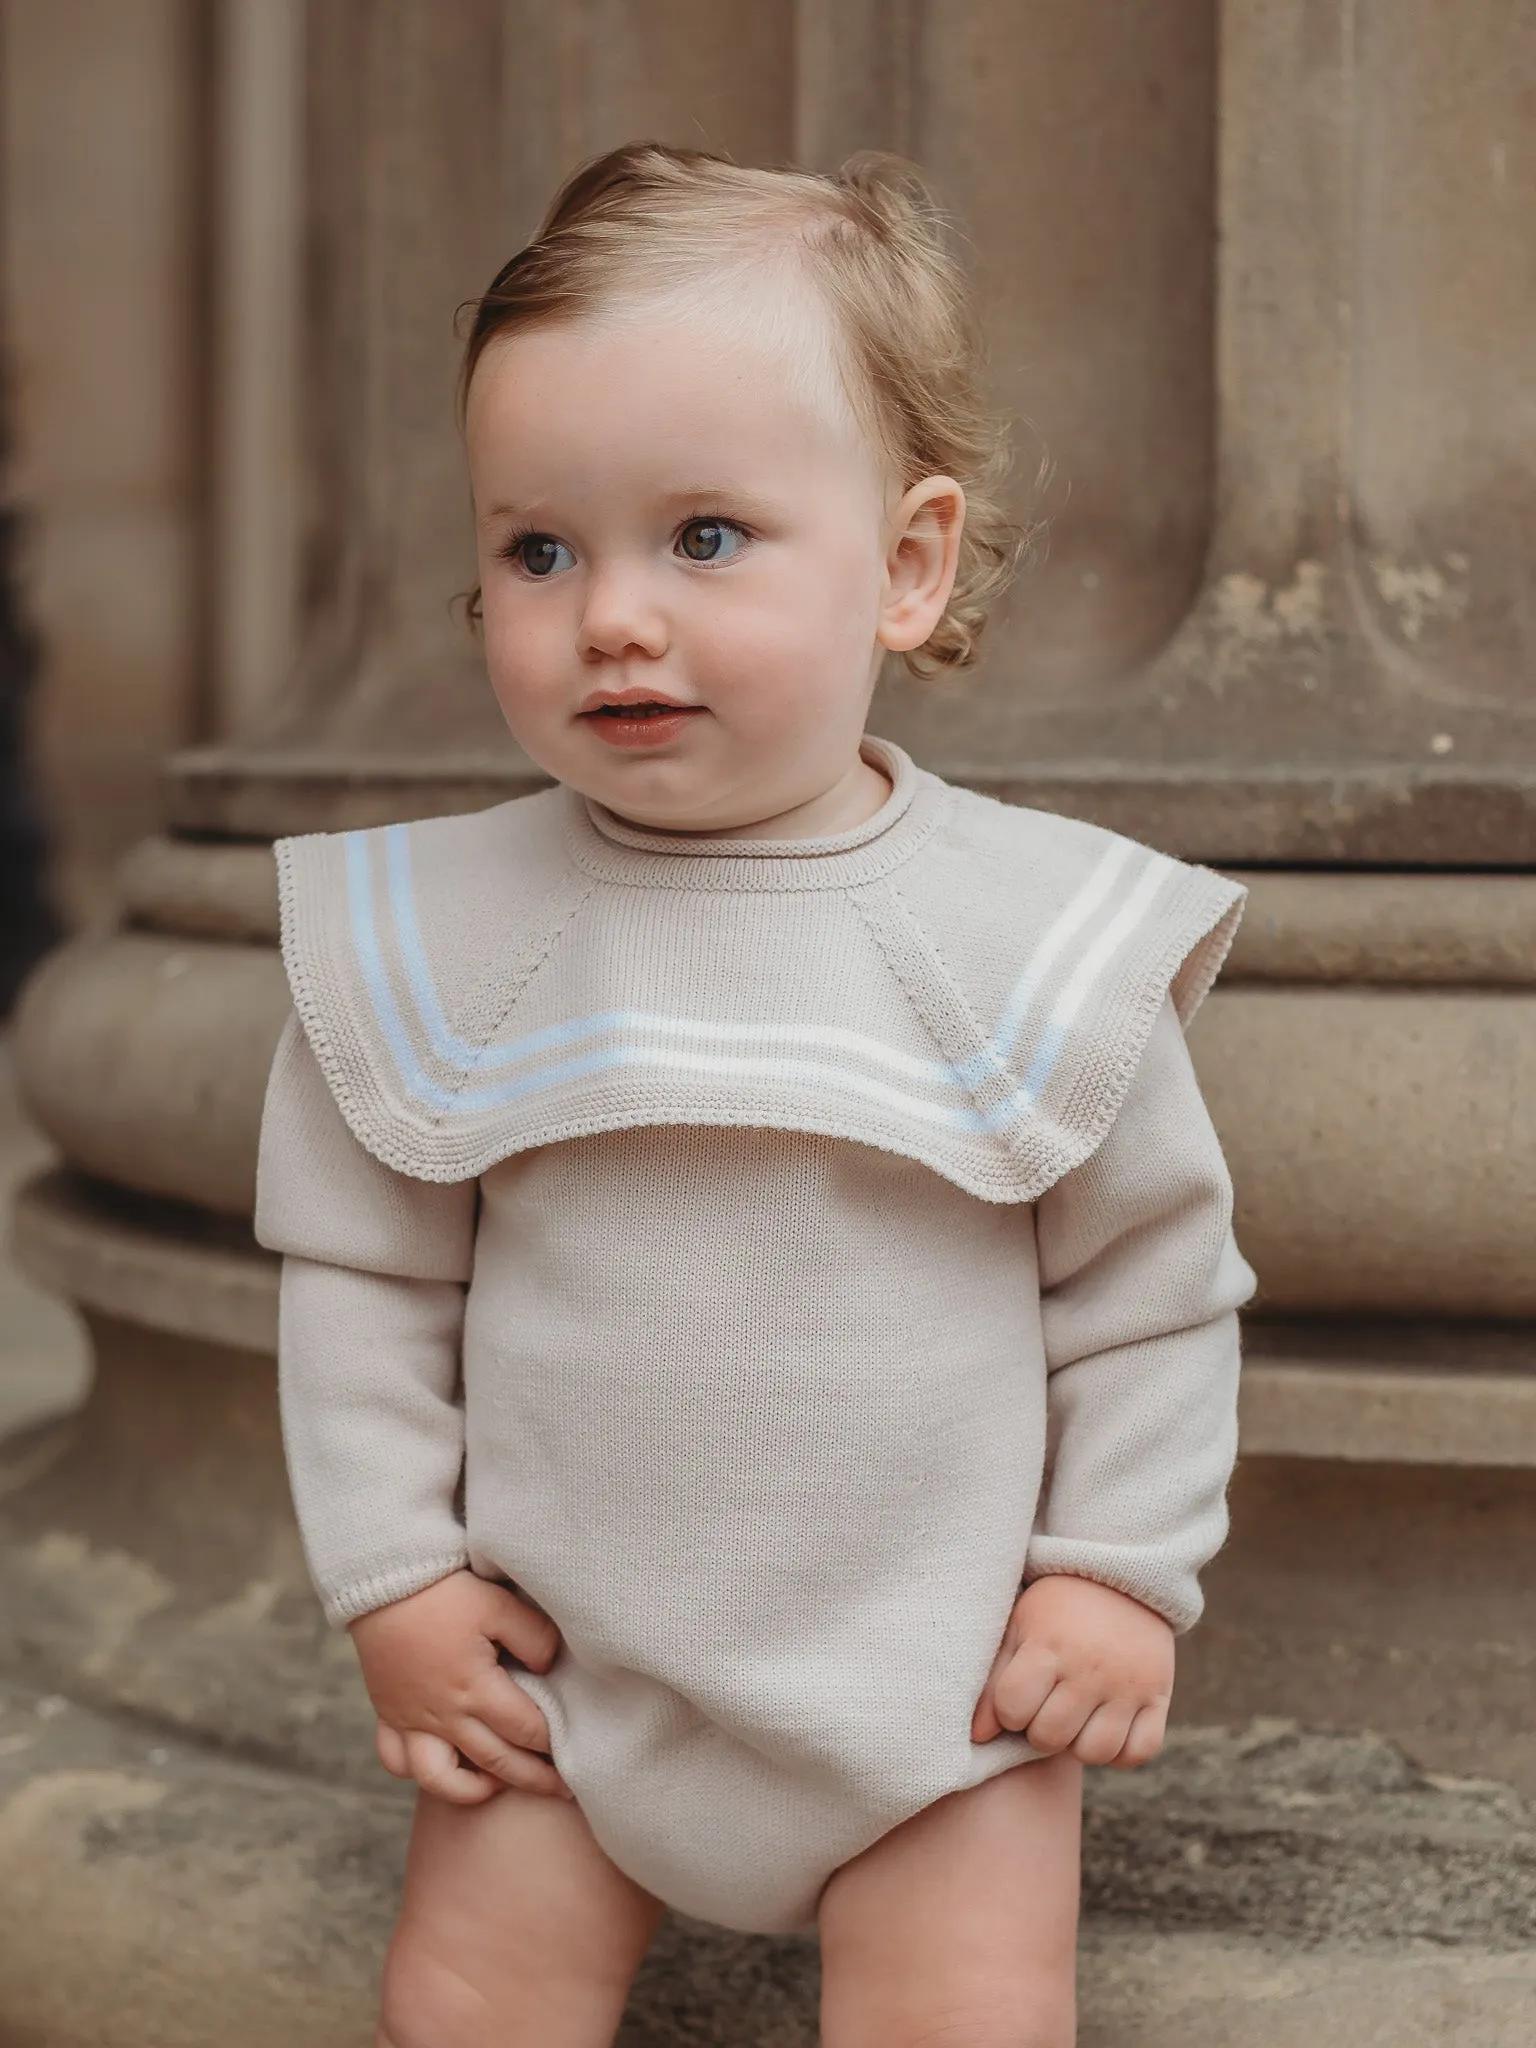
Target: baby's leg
960 1926
516 1930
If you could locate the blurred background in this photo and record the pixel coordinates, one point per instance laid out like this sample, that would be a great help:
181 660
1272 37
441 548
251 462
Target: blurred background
1260 284
147 153
153 233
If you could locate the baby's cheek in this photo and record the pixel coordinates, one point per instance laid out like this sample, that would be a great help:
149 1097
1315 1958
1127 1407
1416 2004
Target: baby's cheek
529 658
791 665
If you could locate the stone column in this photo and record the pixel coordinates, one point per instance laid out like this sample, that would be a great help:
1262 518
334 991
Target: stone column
99 231
1260 287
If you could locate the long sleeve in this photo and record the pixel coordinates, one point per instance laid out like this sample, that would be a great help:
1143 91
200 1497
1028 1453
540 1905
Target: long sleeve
1140 1284
375 1267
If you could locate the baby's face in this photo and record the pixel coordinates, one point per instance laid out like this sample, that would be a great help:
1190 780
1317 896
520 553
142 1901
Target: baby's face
684 563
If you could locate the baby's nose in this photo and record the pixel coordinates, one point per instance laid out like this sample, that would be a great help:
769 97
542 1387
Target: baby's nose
622 616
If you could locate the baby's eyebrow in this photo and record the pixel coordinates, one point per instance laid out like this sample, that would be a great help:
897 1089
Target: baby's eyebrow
494 514
694 497
711 495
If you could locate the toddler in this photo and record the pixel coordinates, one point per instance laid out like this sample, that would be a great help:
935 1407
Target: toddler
758 1311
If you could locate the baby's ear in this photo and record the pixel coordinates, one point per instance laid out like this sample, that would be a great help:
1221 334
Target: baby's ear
922 555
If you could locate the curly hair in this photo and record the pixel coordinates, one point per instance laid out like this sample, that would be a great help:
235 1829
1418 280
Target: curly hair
645 219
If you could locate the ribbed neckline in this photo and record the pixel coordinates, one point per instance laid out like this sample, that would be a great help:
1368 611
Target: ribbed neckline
614 850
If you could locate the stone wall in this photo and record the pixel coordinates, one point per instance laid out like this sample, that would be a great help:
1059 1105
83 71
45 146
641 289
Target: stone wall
151 241
101 195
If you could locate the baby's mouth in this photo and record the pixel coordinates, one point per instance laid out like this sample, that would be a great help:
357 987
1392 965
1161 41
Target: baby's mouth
651 709
645 722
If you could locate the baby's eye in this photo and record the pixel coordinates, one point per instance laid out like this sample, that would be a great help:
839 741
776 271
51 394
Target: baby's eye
710 540
540 554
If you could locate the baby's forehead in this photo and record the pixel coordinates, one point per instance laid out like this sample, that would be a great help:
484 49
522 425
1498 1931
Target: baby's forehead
765 324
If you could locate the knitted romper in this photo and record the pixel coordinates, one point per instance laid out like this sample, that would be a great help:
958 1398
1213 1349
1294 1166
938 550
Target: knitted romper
765 1255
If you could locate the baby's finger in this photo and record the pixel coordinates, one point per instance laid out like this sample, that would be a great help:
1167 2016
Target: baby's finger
1024 1685
1060 1720
390 1744
984 1722
531 1636
511 1766
1104 1732
436 1767
500 1702
1145 1738
985 1726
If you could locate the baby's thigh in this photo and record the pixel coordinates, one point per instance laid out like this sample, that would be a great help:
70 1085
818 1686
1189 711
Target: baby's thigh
515 1930
960 1926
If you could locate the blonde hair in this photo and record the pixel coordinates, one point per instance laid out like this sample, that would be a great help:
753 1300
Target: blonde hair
652 220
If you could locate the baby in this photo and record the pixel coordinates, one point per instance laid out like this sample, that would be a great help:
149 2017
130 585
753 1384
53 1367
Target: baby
758 1343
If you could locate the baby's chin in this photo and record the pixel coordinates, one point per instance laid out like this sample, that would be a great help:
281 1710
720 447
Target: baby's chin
702 806
661 795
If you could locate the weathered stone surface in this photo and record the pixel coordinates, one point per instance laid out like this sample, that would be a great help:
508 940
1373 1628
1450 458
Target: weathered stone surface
152 1562
100 115
1413 1393
1315 1837
200 889
44 1356
158 1265
1382 1143
160 1896
1394 1597
145 1059
1206 1991
1430 931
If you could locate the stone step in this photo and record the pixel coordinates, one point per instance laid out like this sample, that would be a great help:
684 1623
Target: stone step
1270 1830
1247 1890
1216 1991
156 1895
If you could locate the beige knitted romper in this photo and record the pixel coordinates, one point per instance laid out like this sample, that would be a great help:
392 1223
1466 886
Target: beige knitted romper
766 1255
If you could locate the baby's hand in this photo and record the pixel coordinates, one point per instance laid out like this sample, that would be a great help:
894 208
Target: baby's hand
1082 1668
450 1715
